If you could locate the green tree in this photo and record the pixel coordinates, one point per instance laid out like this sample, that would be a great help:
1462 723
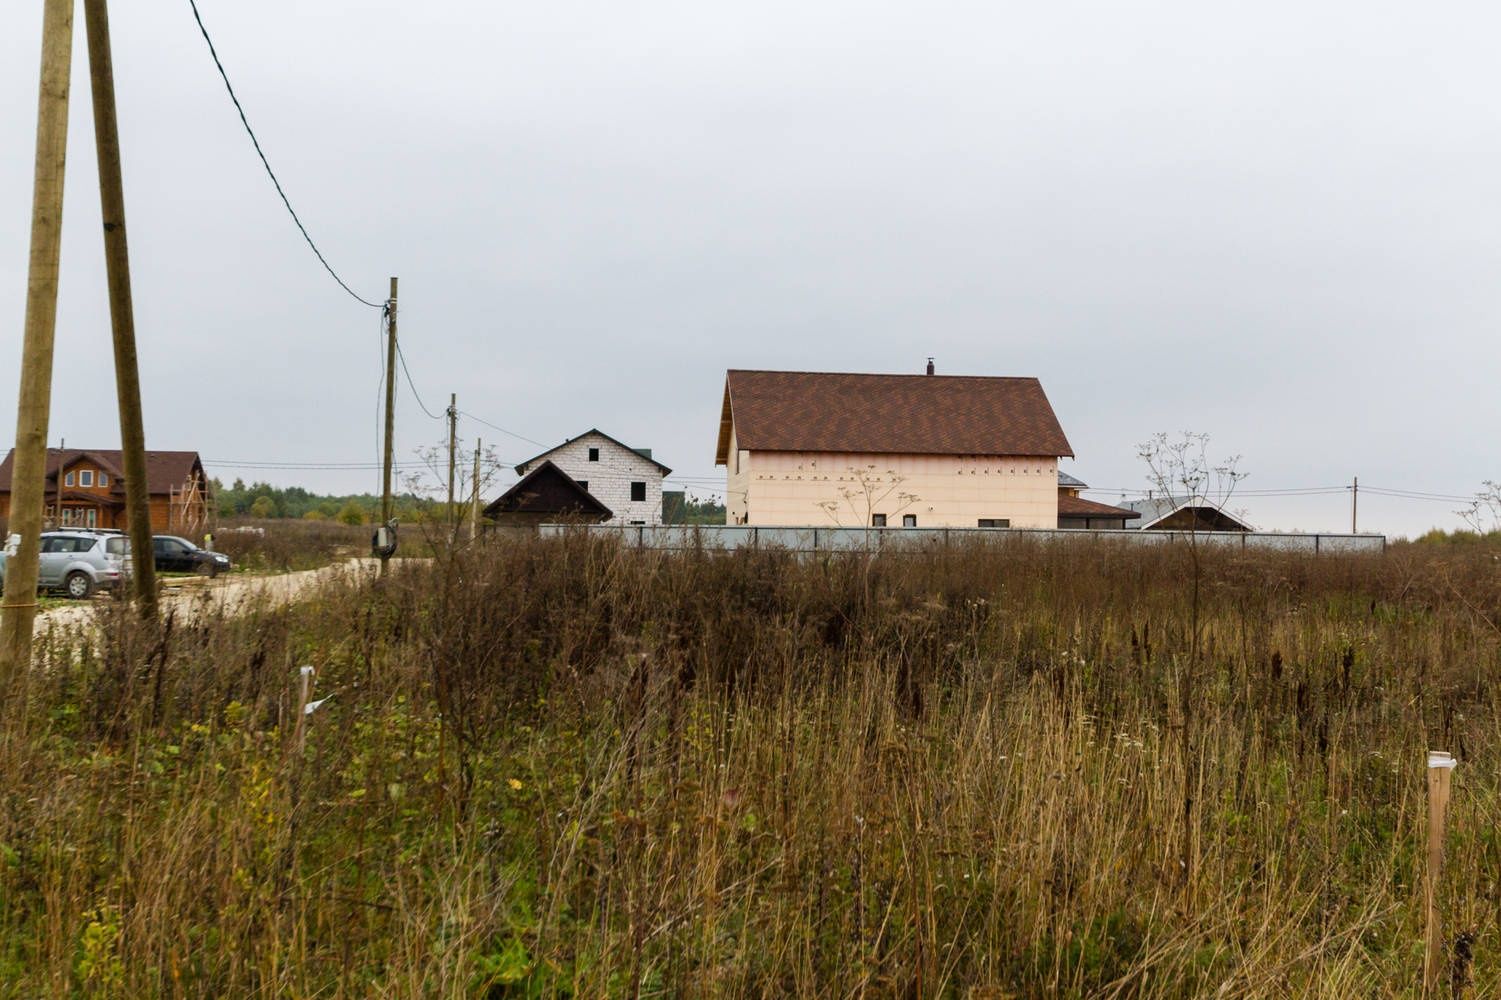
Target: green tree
263 506
351 513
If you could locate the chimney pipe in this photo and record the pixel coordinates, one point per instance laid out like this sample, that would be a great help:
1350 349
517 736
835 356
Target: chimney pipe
930 366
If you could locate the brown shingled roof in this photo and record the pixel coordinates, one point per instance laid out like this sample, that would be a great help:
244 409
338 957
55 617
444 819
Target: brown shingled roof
888 414
1079 507
164 469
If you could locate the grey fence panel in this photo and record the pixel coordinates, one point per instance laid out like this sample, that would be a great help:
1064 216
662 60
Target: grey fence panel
896 540
791 539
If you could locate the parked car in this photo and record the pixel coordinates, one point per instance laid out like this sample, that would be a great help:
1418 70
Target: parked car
78 562
178 555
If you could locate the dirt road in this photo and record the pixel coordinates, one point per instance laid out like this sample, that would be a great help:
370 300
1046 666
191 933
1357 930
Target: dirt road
192 596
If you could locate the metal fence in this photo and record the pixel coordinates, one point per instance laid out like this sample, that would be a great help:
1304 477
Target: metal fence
734 536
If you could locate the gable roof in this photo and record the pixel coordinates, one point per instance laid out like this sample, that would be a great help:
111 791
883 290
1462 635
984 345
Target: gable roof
645 453
888 414
547 489
164 469
1068 481
1156 509
1079 507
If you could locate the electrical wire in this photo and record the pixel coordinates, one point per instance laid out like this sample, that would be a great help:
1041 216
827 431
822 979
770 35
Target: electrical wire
265 163
497 427
412 385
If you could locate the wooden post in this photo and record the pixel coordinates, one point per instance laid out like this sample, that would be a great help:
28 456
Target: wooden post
29 473
1354 503
121 310
1440 769
453 430
299 735
385 493
474 500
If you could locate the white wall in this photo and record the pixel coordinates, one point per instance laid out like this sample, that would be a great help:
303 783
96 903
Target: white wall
609 479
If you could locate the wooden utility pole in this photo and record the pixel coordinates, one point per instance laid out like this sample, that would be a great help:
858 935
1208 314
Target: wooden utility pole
29 473
385 492
453 430
474 500
1354 503
121 311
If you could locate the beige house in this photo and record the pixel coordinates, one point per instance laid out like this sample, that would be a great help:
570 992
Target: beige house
824 448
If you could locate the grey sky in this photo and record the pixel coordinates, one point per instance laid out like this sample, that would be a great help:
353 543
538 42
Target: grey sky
1272 222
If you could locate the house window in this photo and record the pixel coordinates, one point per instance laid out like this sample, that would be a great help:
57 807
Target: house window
909 520
995 522
86 477
594 454
91 517
638 492
68 480
103 478
584 485
878 520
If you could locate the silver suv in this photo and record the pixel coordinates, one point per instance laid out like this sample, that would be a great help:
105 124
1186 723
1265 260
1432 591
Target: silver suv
77 562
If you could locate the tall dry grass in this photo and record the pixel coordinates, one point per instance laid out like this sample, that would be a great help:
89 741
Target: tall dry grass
561 769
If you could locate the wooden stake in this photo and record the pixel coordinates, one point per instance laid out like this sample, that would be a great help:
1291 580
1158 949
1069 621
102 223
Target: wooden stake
1440 769
121 310
29 475
300 735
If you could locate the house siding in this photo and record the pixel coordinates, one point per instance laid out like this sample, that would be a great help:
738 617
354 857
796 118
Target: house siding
792 488
610 478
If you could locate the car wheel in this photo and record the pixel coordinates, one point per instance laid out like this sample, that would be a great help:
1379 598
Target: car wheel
79 585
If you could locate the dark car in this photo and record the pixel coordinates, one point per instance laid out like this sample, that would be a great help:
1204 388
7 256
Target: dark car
178 555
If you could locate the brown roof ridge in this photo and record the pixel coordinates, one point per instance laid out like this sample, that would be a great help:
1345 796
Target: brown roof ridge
920 375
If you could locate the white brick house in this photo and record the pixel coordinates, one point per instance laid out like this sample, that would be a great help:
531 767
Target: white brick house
626 480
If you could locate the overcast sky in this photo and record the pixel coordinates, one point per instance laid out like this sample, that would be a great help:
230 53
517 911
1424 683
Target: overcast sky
1272 222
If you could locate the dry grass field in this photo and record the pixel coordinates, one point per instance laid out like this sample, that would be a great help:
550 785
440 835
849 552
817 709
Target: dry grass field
562 770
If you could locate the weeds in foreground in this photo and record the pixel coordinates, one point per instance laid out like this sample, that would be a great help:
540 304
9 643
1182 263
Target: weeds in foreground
561 769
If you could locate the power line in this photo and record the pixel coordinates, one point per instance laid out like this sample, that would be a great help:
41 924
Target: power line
265 163
497 427
412 385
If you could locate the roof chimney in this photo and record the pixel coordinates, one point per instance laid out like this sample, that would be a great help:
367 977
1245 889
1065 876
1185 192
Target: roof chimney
930 366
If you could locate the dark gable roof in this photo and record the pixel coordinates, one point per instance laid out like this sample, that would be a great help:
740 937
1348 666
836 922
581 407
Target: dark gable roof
547 489
645 453
888 414
1079 507
164 469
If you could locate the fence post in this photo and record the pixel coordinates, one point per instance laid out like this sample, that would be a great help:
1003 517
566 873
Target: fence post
1440 769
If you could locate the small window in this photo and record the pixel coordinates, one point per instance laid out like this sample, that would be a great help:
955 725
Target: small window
878 520
909 520
103 478
86 477
638 492
594 454
995 522
583 484
68 479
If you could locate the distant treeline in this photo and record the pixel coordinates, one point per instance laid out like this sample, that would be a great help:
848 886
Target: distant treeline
262 500
266 501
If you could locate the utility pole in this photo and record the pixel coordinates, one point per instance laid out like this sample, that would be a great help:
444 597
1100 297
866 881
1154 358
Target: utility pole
1354 503
385 490
474 500
29 474
121 310
453 430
